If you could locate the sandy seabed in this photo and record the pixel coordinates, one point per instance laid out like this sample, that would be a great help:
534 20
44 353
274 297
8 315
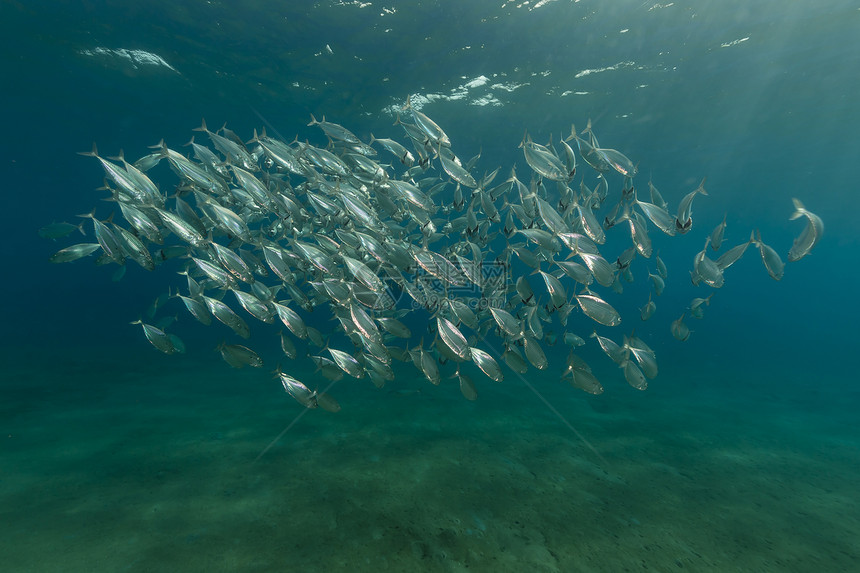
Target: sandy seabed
147 463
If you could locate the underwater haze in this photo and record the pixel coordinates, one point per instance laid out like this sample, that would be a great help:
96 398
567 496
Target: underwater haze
743 453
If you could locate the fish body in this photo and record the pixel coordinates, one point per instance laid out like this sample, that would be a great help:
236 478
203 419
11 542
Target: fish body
487 364
772 263
598 309
427 126
684 219
717 235
74 252
335 131
60 230
347 363
810 235
679 329
648 310
157 337
453 338
239 356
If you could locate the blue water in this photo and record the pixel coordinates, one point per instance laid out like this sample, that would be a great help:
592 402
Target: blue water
741 455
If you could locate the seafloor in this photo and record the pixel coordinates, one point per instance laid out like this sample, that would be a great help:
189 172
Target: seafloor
140 462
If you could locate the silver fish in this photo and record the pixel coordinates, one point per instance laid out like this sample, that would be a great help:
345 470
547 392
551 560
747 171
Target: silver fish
295 228
157 337
467 387
708 270
455 170
810 235
585 381
197 308
239 356
291 320
648 310
453 338
717 235
60 230
679 329
302 394
555 289
696 310
506 322
534 353
634 376
598 309
74 252
334 130
515 360
347 363
611 348
432 131
487 364
227 317
659 216
774 265
684 220
403 154
617 160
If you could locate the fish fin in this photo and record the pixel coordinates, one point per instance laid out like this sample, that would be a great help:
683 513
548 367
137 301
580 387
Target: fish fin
202 126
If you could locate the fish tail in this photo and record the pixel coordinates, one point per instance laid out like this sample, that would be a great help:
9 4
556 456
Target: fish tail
525 139
93 153
799 210
587 128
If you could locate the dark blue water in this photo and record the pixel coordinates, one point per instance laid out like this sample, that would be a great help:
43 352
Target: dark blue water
742 453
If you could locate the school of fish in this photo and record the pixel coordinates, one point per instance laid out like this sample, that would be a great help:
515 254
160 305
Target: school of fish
382 236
